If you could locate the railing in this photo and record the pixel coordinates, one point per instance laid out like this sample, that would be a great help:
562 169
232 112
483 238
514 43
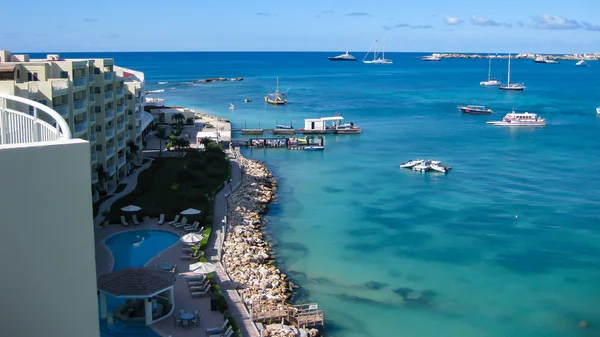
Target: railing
93 137
79 81
108 94
80 104
110 113
121 160
138 115
32 88
110 151
121 143
121 126
111 170
108 76
94 156
92 78
81 126
138 130
17 127
60 84
92 98
109 133
120 108
95 174
120 91
63 110
92 117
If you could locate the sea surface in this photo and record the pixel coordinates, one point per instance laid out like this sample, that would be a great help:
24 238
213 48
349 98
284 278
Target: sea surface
506 244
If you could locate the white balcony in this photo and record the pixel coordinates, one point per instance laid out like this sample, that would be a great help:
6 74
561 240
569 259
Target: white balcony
120 91
18 127
108 76
79 82
110 133
63 110
110 151
121 161
94 175
121 143
79 106
111 170
80 128
60 87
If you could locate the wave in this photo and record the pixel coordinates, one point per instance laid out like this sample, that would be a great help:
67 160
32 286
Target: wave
164 82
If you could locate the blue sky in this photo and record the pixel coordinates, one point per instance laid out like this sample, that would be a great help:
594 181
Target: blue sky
549 26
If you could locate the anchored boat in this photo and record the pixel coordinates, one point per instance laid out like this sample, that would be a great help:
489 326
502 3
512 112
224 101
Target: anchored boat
520 119
475 110
276 97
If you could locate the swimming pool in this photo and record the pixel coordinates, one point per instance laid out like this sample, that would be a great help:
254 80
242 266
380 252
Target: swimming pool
133 249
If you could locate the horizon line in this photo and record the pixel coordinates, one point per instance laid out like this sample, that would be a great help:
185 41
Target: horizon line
286 51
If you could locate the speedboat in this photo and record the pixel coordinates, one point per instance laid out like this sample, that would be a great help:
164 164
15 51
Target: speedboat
424 166
475 109
411 163
343 57
314 148
430 58
520 119
247 100
581 63
437 166
284 127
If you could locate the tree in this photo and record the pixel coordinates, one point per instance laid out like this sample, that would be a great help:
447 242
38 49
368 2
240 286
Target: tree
181 144
161 134
205 141
178 117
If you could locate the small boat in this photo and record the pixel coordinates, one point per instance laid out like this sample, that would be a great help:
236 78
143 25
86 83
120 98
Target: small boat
376 60
247 100
411 163
475 110
231 106
520 119
598 110
490 82
511 86
276 97
544 59
284 127
581 63
430 58
437 166
424 166
343 57
314 148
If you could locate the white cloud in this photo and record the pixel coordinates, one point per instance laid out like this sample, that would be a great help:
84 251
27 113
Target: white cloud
482 21
553 22
451 20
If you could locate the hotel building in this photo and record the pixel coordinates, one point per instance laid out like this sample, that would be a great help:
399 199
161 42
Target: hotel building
102 103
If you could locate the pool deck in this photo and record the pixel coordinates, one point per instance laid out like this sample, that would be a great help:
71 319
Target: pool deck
183 300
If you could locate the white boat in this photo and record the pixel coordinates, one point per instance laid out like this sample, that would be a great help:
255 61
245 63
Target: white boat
520 119
544 59
376 60
343 57
513 86
437 166
314 148
581 63
490 82
411 163
598 110
231 106
424 166
431 58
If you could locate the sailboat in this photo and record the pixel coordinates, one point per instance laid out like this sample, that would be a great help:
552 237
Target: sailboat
276 97
513 86
490 82
380 60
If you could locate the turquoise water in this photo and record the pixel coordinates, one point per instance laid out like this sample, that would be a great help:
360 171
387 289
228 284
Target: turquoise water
506 244
133 249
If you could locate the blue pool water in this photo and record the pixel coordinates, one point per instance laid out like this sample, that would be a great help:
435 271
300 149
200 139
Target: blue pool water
133 249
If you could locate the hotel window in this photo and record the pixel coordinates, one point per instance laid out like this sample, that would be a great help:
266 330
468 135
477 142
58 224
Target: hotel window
97 90
35 77
96 70
44 102
98 147
98 128
18 74
64 74
97 109
129 96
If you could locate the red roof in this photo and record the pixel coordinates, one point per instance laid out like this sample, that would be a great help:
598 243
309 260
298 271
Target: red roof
126 74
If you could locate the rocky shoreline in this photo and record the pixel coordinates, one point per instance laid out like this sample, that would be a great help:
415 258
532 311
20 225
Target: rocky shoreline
247 256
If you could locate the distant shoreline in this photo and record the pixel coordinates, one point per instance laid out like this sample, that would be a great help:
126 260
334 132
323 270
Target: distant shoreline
573 57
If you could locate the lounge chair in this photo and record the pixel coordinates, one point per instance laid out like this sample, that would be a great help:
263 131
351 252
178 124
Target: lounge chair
227 333
192 227
161 219
196 278
124 221
217 330
135 220
182 223
198 285
176 220
201 293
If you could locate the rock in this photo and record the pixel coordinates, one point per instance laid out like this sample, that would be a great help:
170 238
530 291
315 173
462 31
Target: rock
583 324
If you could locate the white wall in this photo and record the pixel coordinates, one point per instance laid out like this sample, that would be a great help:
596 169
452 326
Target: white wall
47 258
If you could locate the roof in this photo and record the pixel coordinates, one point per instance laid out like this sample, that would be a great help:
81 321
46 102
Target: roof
7 68
336 118
205 134
136 282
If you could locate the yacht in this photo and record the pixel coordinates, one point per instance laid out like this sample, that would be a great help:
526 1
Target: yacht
490 82
376 60
520 119
343 57
424 166
581 63
276 97
431 58
411 163
543 59
513 86
475 110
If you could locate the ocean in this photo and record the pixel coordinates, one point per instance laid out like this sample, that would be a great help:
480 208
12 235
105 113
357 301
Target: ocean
505 244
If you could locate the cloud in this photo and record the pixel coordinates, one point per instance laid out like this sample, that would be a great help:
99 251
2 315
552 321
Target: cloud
452 21
359 14
552 22
481 21
88 20
262 14
404 25
110 36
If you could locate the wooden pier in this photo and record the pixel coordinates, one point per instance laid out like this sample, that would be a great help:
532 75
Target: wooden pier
305 316
281 142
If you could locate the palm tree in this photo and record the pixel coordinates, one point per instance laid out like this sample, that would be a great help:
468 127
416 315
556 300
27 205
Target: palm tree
161 134
178 117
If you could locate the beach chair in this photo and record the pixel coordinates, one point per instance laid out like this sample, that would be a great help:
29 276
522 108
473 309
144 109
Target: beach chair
192 227
227 333
161 219
195 278
135 220
198 285
182 223
201 293
176 220
124 221
217 330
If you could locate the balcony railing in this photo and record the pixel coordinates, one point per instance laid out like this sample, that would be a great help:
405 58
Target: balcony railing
92 98
81 126
110 151
108 76
79 81
92 78
138 130
108 94
120 91
109 133
94 175
138 115
93 137
111 170
110 113
60 84
120 109
121 126
121 143
92 117
80 104
121 160
17 127
63 110
94 156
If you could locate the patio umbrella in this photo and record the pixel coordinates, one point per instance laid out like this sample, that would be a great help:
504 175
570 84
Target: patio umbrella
203 267
131 208
190 211
191 238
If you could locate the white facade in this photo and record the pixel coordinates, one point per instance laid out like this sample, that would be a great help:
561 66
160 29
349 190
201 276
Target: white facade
47 240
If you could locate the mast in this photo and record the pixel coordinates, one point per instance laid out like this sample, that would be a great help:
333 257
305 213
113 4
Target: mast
508 85
277 88
383 49
375 50
489 68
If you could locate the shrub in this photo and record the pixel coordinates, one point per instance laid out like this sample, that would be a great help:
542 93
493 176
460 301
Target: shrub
222 304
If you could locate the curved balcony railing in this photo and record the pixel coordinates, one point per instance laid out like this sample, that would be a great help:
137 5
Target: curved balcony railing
17 127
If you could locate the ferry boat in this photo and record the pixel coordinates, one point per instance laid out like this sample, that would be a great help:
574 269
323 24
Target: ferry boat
343 57
276 97
490 82
511 86
430 58
581 63
520 119
475 110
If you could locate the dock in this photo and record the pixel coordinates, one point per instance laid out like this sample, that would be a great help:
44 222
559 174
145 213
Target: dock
281 142
303 316
314 126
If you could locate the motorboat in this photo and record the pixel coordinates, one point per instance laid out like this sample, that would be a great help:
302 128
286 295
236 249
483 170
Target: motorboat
247 100
343 57
231 106
431 58
520 119
314 148
475 110
438 167
284 127
411 163
490 82
376 60
511 86
544 59
424 166
581 63
346 128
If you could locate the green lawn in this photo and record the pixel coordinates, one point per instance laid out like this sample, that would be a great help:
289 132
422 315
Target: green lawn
171 185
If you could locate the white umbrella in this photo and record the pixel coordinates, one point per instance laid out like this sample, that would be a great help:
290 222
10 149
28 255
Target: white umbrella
190 211
191 238
131 208
203 267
